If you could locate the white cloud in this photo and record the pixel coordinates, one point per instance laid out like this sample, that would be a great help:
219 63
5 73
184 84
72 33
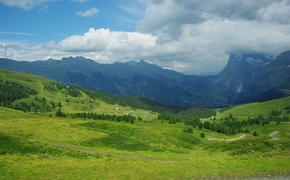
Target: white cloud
102 45
201 48
17 33
88 13
28 4
24 4
207 31
277 12
178 12
207 45
106 40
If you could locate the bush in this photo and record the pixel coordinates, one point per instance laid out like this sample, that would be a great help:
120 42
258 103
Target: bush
188 130
202 135
255 134
59 113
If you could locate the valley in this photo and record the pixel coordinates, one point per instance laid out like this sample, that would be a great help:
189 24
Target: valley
39 141
144 90
245 78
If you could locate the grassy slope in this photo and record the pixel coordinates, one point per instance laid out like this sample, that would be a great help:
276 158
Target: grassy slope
91 101
35 146
255 109
82 103
38 146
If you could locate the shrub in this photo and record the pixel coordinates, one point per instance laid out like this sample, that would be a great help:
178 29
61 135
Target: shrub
202 135
188 130
59 113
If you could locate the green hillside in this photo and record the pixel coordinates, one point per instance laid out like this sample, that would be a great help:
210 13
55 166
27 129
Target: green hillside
49 96
36 144
255 109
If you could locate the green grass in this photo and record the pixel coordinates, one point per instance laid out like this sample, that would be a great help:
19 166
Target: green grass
255 109
36 146
83 103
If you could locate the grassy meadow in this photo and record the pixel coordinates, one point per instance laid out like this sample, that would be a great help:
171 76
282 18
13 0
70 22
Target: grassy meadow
36 144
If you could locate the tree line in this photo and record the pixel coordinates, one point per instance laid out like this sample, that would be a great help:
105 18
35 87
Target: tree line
95 116
231 125
12 91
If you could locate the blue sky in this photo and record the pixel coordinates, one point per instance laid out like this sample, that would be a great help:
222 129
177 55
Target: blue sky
56 20
190 36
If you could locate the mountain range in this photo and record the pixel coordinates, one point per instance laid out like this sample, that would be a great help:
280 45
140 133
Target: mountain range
245 78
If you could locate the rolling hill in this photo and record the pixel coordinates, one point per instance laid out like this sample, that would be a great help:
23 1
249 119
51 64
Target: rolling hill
256 109
46 96
36 143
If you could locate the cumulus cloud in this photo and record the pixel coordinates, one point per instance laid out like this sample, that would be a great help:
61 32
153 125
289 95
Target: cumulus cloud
106 40
88 13
102 45
207 31
207 45
201 48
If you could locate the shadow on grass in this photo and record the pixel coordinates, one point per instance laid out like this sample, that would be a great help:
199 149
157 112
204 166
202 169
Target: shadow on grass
13 145
138 139
18 145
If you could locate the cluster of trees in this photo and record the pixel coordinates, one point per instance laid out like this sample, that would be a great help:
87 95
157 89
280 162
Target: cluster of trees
11 91
170 119
287 109
67 90
37 104
231 125
59 113
73 91
91 115
228 126
188 130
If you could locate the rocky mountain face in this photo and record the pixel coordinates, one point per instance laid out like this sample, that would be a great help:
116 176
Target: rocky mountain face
246 78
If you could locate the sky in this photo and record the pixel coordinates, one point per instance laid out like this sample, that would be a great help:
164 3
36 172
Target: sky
189 36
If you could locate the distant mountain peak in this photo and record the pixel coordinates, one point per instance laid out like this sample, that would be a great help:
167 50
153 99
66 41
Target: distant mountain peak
141 63
251 58
283 59
79 58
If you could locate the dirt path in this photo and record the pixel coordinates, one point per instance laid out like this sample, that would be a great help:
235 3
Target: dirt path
94 152
273 135
226 140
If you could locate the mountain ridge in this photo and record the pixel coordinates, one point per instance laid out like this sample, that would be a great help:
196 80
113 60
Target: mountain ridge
245 78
